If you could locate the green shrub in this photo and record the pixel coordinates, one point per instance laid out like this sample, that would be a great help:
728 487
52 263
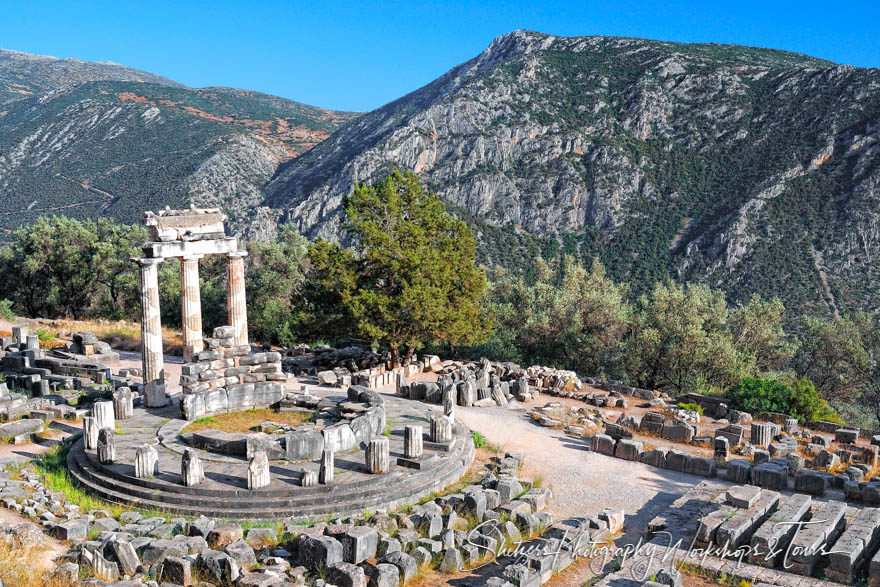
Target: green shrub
692 407
44 335
479 441
799 399
6 310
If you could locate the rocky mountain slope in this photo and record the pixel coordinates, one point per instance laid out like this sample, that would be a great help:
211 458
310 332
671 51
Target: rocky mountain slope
23 74
752 170
87 139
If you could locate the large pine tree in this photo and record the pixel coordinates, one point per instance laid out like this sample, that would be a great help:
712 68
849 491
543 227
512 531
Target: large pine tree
410 276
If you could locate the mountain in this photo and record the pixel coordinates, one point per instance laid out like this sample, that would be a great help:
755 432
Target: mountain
91 139
23 74
749 169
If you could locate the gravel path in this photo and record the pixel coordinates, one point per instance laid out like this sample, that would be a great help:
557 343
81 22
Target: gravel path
583 483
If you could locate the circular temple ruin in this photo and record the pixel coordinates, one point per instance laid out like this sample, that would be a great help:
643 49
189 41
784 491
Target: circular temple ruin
294 462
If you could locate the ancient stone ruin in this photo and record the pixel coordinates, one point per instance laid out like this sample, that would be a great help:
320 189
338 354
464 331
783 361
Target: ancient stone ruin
187 235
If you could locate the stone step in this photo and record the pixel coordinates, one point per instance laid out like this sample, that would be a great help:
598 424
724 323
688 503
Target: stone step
89 463
335 501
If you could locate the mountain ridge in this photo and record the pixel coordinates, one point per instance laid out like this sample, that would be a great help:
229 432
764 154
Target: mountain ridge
663 159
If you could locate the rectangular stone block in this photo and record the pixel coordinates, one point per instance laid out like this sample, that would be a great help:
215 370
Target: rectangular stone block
628 449
739 528
602 444
770 476
775 534
846 435
807 546
812 482
855 545
655 458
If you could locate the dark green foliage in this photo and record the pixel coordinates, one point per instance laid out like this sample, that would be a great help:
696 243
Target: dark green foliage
798 399
410 277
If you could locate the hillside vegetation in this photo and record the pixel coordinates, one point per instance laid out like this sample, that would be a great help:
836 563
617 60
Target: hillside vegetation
87 147
751 170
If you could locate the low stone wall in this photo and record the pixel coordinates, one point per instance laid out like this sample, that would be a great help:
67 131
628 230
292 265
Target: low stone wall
243 396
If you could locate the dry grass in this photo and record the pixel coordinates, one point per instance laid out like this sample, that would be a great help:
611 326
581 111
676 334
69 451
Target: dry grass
120 334
244 421
26 567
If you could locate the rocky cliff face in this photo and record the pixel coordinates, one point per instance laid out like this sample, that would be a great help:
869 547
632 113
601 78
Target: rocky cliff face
752 170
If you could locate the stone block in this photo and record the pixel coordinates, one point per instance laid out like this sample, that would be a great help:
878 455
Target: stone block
218 567
655 458
258 471
761 434
703 466
678 461
738 528
406 565
602 444
826 460
381 575
359 544
270 445
770 476
319 551
743 496
773 536
339 438
303 445
846 435
805 553
73 530
628 449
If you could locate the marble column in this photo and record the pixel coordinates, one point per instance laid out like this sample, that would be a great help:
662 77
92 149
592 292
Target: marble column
151 334
236 302
191 307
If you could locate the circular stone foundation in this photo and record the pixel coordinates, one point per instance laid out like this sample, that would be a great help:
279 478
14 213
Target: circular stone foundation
224 491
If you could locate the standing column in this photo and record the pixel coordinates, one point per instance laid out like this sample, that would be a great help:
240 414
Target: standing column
191 307
236 302
151 334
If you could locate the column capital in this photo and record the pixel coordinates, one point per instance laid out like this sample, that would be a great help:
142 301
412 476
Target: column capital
191 257
236 254
146 261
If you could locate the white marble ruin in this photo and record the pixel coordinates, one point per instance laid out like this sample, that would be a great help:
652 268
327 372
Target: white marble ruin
146 462
191 469
258 471
123 403
188 235
104 416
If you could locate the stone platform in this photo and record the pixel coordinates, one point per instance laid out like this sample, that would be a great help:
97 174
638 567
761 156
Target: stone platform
224 491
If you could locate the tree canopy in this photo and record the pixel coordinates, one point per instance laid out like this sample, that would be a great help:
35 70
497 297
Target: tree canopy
410 276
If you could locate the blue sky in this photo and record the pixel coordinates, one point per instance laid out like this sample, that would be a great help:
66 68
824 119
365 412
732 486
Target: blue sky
360 55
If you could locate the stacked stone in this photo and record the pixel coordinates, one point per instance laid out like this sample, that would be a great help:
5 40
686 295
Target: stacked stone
224 363
249 378
829 523
854 547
